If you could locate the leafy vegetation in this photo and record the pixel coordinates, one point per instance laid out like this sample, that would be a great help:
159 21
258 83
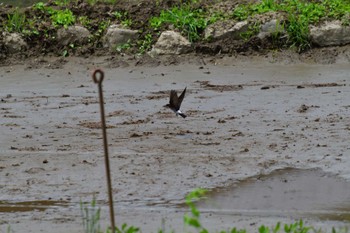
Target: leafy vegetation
63 18
189 18
191 22
300 14
16 21
145 44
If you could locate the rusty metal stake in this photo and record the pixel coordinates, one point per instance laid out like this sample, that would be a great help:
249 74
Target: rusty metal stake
98 76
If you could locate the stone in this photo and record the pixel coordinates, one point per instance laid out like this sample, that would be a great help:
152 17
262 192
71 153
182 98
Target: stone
171 42
76 35
226 29
116 35
14 42
330 34
271 27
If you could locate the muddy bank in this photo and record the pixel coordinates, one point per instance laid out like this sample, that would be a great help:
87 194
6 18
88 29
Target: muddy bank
245 118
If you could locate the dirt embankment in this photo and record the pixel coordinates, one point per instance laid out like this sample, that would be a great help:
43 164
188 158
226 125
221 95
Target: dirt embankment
41 35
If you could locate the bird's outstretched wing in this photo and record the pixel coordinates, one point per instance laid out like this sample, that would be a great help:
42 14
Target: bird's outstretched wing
174 100
182 96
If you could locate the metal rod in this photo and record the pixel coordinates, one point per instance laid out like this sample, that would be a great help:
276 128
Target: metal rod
98 76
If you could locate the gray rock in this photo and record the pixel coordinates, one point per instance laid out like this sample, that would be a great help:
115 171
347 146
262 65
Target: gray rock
330 34
225 29
14 42
171 42
117 36
270 27
73 35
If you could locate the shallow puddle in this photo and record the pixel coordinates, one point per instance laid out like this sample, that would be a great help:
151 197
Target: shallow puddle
25 206
288 192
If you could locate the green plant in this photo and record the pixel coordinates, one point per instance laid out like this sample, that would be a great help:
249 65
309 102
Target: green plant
190 22
297 227
16 21
39 6
126 22
298 31
85 21
192 219
126 229
30 29
253 29
62 2
102 26
122 47
92 2
122 16
145 44
62 17
91 217
9 230
241 12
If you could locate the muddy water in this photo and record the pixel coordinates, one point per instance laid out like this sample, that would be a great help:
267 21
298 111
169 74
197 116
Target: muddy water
286 192
244 120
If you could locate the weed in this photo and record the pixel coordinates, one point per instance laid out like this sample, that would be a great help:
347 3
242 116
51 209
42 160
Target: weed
279 31
92 2
9 230
145 44
253 29
39 6
122 47
126 229
65 53
122 16
62 17
189 21
192 219
30 29
103 25
85 21
16 21
62 2
241 12
91 217
346 19
298 31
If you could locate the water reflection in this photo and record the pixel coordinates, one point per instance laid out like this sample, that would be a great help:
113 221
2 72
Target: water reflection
288 192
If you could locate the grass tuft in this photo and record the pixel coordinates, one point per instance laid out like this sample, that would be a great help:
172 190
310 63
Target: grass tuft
16 21
190 22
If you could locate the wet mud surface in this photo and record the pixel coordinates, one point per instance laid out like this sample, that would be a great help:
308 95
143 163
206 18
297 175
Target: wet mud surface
244 119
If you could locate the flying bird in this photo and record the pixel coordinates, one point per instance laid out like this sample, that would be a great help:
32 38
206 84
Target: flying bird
175 102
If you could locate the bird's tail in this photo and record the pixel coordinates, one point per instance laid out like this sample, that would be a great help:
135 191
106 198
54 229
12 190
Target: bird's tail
182 114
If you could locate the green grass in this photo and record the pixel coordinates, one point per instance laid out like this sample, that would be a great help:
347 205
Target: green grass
190 22
62 17
58 18
16 21
145 43
91 217
300 14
